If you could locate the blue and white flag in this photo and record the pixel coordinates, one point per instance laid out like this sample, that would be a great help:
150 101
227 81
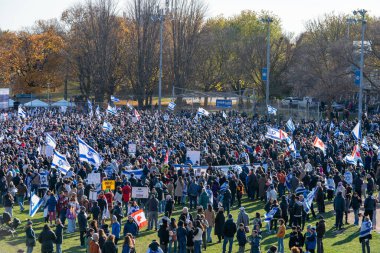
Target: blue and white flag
366 228
171 106
300 190
290 125
309 200
202 112
60 162
273 134
88 154
97 112
136 173
224 187
365 143
114 99
35 203
90 108
21 112
107 126
50 141
26 127
357 131
272 110
224 115
44 180
348 177
111 110
288 181
269 216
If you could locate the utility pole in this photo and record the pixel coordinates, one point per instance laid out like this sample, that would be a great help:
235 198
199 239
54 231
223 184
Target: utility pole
268 21
362 13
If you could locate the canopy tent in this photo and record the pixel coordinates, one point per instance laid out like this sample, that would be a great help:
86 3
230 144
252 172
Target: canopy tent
63 103
36 103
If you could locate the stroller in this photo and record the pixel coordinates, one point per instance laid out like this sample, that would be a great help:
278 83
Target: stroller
7 226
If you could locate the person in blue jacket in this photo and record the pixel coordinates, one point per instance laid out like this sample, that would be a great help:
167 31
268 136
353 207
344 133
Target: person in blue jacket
116 228
311 239
51 205
181 237
131 227
255 242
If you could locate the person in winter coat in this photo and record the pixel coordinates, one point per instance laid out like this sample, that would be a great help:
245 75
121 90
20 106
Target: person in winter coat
241 238
30 237
169 205
178 191
47 239
320 198
219 224
320 230
59 233
82 223
243 217
276 216
229 231
51 204
94 244
365 234
227 200
110 246
127 191
311 239
181 237
116 228
369 206
255 242
339 207
284 205
210 218
131 227
356 202
203 199
163 234
297 212
280 235
128 245
294 239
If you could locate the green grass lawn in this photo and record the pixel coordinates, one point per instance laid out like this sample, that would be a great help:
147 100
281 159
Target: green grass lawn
346 241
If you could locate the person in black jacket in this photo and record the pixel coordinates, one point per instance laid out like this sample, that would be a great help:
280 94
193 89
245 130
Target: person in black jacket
109 246
339 207
219 224
30 237
284 209
59 233
321 230
369 206
320 198
229 231
163 234
294 239
47 238
82 223
356 202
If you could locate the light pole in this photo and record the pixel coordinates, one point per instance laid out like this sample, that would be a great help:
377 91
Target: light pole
362 13
350 21
160 16
267 20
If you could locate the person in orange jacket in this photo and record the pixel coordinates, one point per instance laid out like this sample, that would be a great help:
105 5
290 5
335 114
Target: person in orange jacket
280 235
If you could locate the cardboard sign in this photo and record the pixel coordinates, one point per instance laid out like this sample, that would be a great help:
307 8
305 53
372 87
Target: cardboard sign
93 178
194 156
93 195
108 185
140 192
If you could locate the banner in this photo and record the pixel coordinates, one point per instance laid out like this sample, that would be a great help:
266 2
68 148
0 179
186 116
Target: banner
93 178
108 185
4 98
132 148
140 192
193 156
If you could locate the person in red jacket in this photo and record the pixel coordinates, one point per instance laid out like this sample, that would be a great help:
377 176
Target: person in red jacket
127 190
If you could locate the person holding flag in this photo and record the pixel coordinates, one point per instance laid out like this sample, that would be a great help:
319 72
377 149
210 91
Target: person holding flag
365 235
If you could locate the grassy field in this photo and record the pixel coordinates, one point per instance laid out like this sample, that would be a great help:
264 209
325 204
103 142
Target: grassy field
334 242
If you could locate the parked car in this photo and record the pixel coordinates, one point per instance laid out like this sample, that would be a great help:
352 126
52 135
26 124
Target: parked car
338 107
290 101
308 101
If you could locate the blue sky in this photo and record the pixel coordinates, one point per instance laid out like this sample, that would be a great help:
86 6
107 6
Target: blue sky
16 14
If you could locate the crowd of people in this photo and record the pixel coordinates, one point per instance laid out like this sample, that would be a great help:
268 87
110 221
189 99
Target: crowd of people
238 167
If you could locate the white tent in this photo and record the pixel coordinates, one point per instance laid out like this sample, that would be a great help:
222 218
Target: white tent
36 103
11 102
63 103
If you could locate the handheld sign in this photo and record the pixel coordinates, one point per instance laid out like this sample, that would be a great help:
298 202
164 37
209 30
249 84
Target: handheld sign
140 192
108 185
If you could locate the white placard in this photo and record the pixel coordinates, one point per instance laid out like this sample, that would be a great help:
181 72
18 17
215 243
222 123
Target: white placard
93 195
93 178
194 156
132 148
140 192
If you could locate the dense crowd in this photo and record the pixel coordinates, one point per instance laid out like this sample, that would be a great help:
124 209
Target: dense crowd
238 166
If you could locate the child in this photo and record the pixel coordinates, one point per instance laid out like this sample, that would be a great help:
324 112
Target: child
255 242
241 237
281 235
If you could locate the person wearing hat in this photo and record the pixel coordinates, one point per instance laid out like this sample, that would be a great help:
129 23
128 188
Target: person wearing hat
82 223
310 239
243 217
30 237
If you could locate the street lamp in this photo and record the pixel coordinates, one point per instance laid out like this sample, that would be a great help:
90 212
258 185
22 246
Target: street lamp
349 22
267 20
160 16
361 13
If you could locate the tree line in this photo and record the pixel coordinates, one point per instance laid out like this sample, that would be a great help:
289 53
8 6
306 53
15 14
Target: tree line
110 51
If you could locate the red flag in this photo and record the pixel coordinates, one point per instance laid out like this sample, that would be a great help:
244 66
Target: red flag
318 143
139 217
166 160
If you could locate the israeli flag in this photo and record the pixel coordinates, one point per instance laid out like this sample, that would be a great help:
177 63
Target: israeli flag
365 143
290 125
272 110
224 115
309 200
288 179
114 99
107 126
44 181
50 141
111 110
136 173
35 203
171 106
25 128
300 190
202 112
21 112
269 216
357 131
97 112
60 162
88 154
273 134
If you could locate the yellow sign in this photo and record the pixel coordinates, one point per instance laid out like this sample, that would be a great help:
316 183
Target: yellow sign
108 185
